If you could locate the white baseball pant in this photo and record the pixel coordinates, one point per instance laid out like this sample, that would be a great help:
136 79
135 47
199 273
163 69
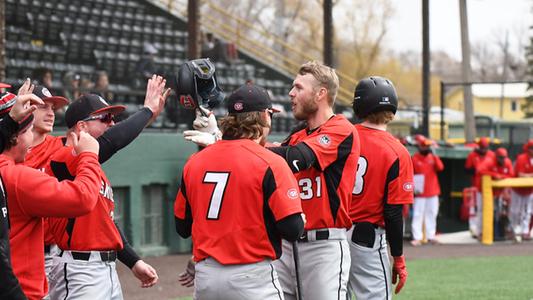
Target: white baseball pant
425 209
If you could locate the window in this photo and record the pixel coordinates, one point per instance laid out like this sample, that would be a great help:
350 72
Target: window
153 200
514 105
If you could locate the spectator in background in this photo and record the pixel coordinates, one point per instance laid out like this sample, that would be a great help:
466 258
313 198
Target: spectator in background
146 66
498 167
426 164
43 76
473 161
521 198
71 85
208 46
101 86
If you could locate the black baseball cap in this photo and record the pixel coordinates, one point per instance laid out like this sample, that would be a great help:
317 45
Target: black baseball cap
248 98
89 105
45 95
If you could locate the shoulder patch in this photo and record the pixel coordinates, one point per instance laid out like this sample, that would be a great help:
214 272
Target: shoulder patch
408 186
293 193
324 140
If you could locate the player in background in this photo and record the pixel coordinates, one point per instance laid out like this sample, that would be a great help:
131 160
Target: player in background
473 161
499 167
29 194
323 158
238 210
85 267
383 185
522 198
23 106
426 164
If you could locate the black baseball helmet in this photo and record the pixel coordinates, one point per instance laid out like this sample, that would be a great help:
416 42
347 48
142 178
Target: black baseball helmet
196 85
374 94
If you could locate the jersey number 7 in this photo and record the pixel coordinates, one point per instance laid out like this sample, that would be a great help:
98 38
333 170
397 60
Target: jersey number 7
220 179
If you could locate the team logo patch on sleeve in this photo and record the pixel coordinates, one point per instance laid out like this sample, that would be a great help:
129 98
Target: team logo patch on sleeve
324 140
293 193
408 186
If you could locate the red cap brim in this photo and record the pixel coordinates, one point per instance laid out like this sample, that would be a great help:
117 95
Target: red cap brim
4 85
58 101
113 109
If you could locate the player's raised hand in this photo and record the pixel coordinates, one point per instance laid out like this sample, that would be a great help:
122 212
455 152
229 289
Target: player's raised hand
83 142
205 121
26 88
145 273
156 95
24 106
399 273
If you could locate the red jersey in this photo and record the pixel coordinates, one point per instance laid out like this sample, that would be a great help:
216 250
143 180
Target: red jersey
473 160
428 166
93 231
523 164
37 158
384 175
326 188
29 195
235 203
492 168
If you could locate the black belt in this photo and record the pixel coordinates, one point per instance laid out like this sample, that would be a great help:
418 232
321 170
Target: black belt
375 225
104 255
321 234
46 248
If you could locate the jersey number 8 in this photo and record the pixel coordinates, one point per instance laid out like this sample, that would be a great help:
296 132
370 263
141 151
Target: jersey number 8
362 165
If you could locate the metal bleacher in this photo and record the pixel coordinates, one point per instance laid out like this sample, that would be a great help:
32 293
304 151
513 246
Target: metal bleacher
84 36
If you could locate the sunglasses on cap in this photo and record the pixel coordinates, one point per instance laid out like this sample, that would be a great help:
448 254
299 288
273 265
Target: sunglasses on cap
104 118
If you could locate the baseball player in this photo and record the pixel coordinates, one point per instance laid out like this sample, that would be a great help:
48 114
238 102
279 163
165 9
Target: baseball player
473 161
29 195
90 244
383 185
10 287
237 216
323 158
521 198
499 167
44 145
426 164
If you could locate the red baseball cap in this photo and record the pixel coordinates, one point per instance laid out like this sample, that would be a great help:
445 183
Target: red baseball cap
7 100
483 142
4 85
501 152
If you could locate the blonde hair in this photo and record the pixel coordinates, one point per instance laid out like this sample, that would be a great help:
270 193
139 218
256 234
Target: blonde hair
380 117
325 75
248 125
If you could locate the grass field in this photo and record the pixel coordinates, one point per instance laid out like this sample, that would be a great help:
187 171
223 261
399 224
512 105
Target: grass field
468 278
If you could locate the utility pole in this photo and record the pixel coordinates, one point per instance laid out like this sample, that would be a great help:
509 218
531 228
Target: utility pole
2 40
193 29
328 32
425 68
470 125
504 72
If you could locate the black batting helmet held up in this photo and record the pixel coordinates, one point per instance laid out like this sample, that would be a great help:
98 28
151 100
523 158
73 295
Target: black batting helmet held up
374 94
196 85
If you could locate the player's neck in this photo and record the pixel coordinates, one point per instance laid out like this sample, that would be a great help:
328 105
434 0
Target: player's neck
320 117
375 126
38 138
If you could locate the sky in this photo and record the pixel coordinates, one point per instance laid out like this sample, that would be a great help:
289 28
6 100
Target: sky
486 19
